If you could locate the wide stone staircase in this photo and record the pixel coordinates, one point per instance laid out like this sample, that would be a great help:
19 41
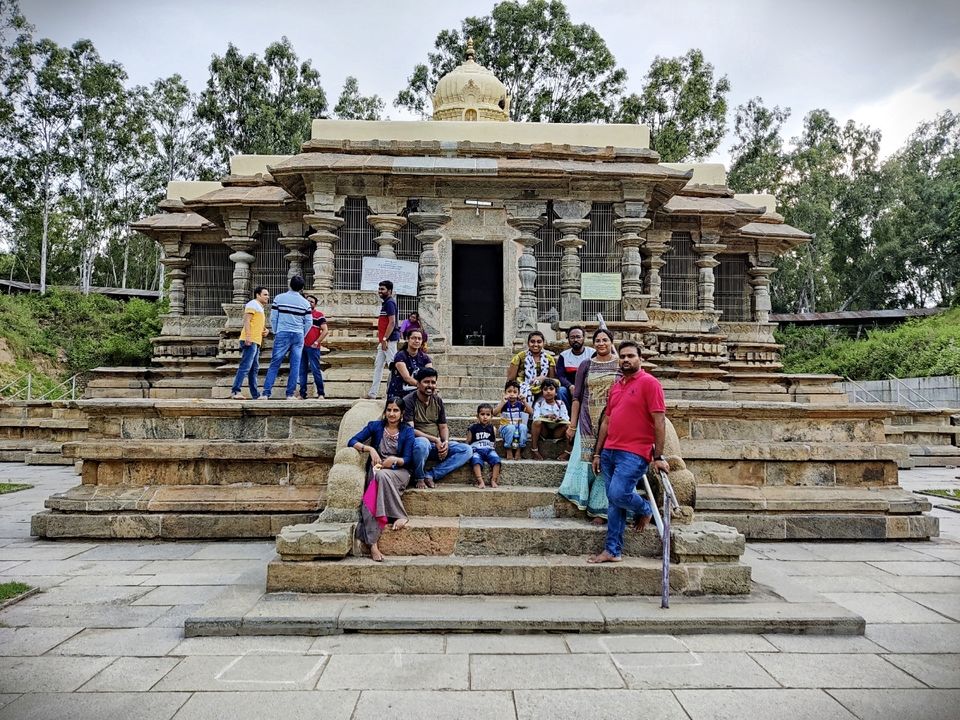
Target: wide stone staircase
33 432
932 436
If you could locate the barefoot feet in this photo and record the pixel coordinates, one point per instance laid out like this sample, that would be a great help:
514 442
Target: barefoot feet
640 524
604 557
400 524
375 553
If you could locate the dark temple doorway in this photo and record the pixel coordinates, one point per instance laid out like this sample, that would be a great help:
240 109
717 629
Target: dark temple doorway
477 294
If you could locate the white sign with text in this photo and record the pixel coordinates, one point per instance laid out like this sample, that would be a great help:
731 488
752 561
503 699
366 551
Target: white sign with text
403 274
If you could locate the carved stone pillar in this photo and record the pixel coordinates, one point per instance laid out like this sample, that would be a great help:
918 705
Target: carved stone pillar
706 250
176 271
325 226
242 258
527 219
630 227
387 226
571 307
657 245
430 221
760 282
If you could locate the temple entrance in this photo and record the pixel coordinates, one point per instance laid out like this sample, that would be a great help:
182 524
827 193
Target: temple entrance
477 294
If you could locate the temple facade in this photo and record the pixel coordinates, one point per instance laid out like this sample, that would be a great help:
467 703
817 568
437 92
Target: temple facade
512 227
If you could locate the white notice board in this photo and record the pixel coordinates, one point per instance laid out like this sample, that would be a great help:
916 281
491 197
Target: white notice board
600 286
403 274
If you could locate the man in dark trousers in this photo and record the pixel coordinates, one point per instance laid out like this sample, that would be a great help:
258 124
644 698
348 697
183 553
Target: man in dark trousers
631 436
388 332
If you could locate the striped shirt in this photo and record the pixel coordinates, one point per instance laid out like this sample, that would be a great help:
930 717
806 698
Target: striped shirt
290 312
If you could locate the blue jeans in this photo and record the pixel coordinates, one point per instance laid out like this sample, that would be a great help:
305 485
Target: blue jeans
458 454
622 470
508 432
566 397
283 343
486 455
310 360
248 368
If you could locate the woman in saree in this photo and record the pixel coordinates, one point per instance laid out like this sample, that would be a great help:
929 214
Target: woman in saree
389 443
594 377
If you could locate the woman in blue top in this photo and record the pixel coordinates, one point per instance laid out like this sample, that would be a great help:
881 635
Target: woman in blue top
406 364
389 442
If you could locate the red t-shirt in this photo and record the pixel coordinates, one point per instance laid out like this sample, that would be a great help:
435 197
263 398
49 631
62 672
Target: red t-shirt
631 403
313 333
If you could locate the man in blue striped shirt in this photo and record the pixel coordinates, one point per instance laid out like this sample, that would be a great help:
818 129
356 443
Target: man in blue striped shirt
290 319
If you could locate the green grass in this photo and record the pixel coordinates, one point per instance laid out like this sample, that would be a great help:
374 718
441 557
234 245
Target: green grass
12 589
13 487
946 493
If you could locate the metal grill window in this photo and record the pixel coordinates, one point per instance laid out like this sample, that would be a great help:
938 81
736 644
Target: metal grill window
209 281
678 288
269 268
355 242
601 254
732 293
547 253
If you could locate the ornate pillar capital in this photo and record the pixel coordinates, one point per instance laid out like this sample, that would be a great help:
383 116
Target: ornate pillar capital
635 303
527 223
295 245
571 305
387 226
176 269
325 226
428 307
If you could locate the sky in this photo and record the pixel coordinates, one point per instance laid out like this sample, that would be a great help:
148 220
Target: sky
888 64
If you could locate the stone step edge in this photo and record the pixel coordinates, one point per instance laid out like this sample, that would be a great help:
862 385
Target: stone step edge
254 613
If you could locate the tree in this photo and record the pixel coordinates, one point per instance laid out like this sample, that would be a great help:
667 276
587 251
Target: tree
261 105
351 105
682 104
182 147
553 70
920 228
757 153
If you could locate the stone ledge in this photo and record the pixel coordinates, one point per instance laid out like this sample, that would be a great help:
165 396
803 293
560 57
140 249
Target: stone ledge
173 450
803 526
694 449
529 575
818 499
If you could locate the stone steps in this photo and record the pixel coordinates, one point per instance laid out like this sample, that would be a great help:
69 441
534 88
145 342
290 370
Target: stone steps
497 575
818 513
189 499
453 501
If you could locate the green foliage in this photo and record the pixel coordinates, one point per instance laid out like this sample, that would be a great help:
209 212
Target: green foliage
13 487
261 105
918 348
758 157
10 590
351 105
554 70
683 105
78 332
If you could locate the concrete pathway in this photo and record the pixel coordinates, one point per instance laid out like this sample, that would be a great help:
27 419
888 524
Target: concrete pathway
105 640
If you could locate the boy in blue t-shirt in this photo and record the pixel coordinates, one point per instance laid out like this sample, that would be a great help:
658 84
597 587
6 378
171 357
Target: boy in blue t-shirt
513 423
482 437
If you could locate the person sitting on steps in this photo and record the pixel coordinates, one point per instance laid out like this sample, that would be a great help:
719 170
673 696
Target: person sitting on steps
424 411
550 419
513 414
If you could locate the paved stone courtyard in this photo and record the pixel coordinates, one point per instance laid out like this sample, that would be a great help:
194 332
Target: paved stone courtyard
105 640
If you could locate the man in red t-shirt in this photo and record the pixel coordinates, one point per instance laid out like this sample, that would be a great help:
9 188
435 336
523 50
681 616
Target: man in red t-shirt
631 436
311 350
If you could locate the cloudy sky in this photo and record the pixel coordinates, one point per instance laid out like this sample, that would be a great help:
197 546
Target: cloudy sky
886 63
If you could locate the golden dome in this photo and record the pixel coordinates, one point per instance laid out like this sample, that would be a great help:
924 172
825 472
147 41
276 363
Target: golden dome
470 92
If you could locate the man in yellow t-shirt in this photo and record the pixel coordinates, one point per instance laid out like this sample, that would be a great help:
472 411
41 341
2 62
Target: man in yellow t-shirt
251 338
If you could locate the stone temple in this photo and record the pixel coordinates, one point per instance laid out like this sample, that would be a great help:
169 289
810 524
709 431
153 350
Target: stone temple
512 227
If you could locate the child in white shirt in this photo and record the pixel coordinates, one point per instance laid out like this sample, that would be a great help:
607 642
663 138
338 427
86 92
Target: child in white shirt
550 418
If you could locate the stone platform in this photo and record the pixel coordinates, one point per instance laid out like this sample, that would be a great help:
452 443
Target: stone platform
33 431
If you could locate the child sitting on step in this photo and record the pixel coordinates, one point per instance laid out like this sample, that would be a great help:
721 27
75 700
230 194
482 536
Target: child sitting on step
482 438
513 412
550 418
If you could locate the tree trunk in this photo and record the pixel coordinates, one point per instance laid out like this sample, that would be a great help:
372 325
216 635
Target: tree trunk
44 236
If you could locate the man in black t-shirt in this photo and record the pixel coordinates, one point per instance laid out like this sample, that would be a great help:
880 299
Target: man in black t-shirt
388 332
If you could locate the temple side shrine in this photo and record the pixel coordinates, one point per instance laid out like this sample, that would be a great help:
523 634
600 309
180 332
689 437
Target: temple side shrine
508 227
504 221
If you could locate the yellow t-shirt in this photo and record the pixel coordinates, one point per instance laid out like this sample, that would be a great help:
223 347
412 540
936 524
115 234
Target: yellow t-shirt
258 321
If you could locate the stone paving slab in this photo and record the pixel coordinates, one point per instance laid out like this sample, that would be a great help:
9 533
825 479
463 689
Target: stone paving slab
47 674
897 704
758 704
385 644
31 641
834 671
436 705
915 638
133 642
533 672
692 670
886 608
412 672
939 671
598 704
102 706
296 705
130 674
946 605
276 672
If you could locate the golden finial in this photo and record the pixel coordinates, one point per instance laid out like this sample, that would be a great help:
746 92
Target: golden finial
471 53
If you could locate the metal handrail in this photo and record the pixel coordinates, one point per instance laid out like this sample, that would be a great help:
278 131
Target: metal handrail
862 389
27 390
909 389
